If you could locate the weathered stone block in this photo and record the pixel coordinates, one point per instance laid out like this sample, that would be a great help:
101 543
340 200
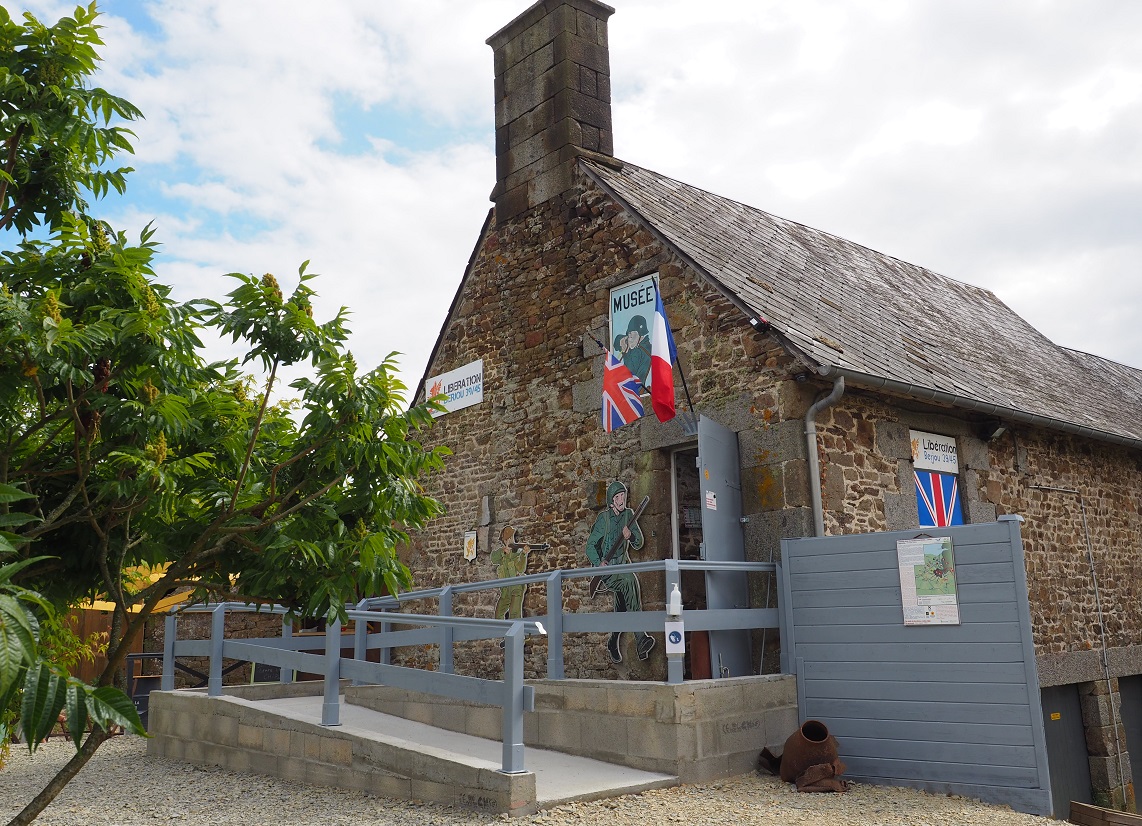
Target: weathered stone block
571 47
604 737
779 724
336 751
762 488
979 512
628 700
900 511
222 730
559 731
276 741
777 442
249 736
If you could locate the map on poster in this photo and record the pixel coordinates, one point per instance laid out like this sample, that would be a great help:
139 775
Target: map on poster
928 581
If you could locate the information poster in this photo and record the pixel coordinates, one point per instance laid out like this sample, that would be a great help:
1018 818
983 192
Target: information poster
928 581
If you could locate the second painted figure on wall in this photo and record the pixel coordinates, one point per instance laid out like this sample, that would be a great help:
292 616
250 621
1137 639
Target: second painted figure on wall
614 534
510 559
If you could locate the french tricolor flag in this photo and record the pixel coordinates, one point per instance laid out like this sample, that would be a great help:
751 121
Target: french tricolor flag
663 354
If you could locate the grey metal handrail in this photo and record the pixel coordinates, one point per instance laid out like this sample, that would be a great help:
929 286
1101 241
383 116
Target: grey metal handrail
510 693
444 630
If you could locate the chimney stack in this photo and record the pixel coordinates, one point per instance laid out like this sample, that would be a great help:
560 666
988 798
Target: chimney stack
553 100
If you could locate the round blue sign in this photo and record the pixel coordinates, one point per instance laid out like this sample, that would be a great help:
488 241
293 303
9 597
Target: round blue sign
675 638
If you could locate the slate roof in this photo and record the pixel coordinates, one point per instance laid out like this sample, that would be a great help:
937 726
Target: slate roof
880 320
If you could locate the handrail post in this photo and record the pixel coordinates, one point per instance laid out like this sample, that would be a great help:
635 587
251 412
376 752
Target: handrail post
285 675
447 632
513 700
360 636
217 636
386 651
170 629
331 706
675 669
554 625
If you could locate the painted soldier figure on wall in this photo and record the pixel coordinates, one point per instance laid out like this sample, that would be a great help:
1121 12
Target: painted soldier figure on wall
510 560
612 536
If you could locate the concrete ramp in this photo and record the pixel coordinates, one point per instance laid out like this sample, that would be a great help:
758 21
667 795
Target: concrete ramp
376 752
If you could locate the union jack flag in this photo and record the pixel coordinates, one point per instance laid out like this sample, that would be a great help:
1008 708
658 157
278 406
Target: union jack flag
621 404
937 499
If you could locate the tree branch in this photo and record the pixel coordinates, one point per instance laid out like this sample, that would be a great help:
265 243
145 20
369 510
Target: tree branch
254 436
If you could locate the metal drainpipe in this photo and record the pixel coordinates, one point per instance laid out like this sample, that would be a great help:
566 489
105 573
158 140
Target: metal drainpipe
811 448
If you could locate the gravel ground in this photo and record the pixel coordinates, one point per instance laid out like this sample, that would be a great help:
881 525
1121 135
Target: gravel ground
121 786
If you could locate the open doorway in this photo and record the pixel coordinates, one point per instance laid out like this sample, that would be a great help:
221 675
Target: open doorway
686 495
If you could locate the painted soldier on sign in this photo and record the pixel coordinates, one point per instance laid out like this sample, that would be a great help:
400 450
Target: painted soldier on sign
636 356
612 536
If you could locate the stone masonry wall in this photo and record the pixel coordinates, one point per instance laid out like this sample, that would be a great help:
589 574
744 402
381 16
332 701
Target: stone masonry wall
534 454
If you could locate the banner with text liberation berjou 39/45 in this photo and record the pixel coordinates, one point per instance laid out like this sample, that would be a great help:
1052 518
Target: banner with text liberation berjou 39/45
462 387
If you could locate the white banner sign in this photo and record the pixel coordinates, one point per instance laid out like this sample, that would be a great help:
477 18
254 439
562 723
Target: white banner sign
931 451
462 387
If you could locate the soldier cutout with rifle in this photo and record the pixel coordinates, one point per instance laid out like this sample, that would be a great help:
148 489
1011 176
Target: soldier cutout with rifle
612 536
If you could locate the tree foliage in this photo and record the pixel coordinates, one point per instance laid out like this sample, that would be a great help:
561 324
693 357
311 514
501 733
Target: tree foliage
123 445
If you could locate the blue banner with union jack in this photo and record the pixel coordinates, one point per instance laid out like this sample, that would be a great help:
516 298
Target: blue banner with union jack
937 499
621 404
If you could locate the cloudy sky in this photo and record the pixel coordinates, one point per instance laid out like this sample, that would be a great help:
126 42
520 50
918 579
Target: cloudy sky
996 143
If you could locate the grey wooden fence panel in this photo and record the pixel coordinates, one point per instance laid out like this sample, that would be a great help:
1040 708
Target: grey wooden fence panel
922 652
990 592
834 712
939 733
919 672
945 692
985 612
990 552
891 693
997 632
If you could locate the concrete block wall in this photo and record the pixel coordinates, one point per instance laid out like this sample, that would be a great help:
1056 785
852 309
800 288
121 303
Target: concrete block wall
189 726
699 730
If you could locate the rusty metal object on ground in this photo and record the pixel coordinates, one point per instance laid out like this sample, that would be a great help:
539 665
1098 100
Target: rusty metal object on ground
810 759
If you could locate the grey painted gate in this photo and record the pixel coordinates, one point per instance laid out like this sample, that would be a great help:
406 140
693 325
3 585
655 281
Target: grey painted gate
949 708
719 479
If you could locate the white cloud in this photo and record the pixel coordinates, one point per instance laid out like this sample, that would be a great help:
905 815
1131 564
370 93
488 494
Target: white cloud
996 143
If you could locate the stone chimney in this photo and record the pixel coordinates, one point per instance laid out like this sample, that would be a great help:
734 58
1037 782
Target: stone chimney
553 100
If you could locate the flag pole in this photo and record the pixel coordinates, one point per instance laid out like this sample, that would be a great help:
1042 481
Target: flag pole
677 358
685 389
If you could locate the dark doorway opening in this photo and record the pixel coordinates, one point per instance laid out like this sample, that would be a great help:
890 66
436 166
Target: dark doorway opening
687 520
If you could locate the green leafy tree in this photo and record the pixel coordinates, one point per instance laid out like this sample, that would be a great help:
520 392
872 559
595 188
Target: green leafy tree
122 445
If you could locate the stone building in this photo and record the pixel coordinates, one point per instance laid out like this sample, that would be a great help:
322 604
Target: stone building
769 317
